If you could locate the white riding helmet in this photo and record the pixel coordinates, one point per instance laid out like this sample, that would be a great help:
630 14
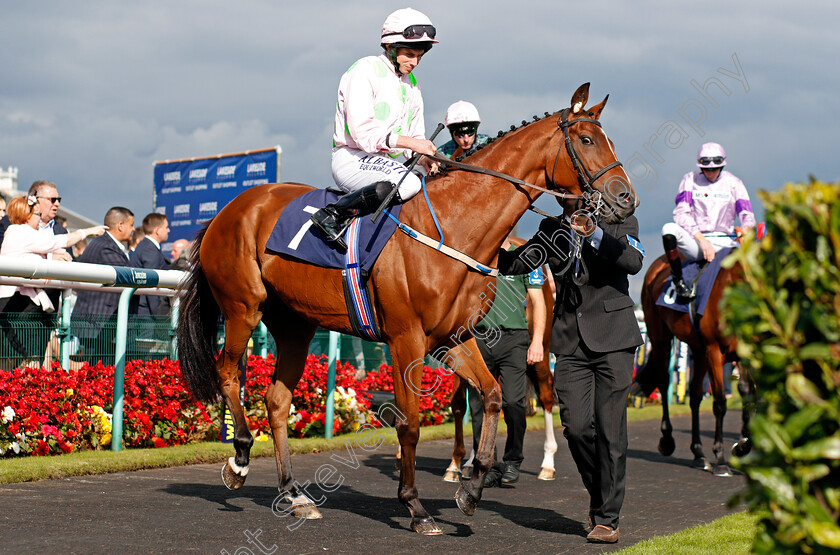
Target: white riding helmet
710 156
407 26
461 112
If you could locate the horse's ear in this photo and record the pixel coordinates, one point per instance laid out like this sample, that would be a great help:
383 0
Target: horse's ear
579 98
598 108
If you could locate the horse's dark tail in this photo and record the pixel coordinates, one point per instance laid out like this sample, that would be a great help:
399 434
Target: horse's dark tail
198 323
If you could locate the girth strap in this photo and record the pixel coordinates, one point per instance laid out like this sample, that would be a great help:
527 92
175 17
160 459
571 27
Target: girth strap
436 244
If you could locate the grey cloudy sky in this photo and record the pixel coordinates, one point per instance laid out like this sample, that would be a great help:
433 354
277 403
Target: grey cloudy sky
92 94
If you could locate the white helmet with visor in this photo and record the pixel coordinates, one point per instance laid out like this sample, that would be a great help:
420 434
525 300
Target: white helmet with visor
407 27
710 156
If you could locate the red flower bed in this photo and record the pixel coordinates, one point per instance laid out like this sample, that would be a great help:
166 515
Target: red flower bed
437 385
51 411
308 415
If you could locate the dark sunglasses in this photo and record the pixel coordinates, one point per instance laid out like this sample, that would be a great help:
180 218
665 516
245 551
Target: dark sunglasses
52 199
717 160
416 31
464 131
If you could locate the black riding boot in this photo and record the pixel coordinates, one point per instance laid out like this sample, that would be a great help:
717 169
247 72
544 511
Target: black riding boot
684 291
333 219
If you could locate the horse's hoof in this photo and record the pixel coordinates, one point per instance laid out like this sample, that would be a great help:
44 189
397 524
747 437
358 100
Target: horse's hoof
452 476
466 501
722 470
306 511
742 448
466 472
231 479
426 526
546 474
701 464
666 446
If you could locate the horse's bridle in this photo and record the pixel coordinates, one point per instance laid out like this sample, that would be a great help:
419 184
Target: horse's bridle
585 178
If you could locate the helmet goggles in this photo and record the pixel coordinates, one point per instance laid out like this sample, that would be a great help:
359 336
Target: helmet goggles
414 32
711 161
463 129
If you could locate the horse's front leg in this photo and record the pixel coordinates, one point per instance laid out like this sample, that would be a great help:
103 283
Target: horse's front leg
714 359
746 388
659 362
695 397
543 381
408 362
458 404
470 366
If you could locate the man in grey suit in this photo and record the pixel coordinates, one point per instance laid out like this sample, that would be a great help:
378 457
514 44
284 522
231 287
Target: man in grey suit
594 337
93 308
147 254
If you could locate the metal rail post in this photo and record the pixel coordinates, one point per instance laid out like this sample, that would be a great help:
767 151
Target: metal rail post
63 333
261 340
334 353
119 369
173 327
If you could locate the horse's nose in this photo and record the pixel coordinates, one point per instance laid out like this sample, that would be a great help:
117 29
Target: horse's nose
628 199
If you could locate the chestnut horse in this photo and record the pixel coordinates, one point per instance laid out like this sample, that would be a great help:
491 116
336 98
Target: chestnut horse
543 382
710 348
423 300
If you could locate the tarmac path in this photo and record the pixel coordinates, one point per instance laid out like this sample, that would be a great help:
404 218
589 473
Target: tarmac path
188 510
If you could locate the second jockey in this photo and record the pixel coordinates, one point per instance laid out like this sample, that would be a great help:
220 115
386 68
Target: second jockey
462 120
379 117
708 200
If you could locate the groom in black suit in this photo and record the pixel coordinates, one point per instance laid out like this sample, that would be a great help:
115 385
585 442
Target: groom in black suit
594 337
147 254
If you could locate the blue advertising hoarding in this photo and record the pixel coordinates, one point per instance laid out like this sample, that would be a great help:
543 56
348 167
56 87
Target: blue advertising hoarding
191 191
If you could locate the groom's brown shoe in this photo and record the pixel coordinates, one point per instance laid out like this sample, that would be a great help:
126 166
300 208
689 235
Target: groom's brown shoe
603 534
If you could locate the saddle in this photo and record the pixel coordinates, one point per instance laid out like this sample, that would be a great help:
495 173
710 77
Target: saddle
295 236
702 274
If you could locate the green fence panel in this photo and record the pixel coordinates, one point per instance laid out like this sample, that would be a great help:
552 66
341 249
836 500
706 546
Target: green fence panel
33 338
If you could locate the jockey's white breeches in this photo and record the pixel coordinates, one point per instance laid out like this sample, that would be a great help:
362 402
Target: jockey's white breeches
689 246
354 169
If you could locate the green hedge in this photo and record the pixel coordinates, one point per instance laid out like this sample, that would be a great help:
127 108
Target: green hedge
786 315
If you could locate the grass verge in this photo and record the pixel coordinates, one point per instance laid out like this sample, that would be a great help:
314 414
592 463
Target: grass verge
30 469
730 535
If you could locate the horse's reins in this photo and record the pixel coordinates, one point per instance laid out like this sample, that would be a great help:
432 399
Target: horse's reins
586 179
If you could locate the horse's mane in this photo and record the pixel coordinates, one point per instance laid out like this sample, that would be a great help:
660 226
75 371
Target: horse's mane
501 134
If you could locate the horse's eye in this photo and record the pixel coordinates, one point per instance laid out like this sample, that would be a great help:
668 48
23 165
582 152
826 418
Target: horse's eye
586 140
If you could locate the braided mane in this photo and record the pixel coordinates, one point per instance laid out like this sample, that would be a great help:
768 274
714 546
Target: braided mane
501 134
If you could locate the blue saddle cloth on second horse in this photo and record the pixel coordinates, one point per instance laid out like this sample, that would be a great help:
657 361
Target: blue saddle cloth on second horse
705 283
295 236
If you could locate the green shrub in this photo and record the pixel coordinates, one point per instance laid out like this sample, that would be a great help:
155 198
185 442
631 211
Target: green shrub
786 315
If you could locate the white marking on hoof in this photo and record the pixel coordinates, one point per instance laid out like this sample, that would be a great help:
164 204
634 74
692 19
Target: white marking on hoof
241 470
303 507
452 476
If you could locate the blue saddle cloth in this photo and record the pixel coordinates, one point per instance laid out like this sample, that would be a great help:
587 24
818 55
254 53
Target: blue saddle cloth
295 236
705 283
